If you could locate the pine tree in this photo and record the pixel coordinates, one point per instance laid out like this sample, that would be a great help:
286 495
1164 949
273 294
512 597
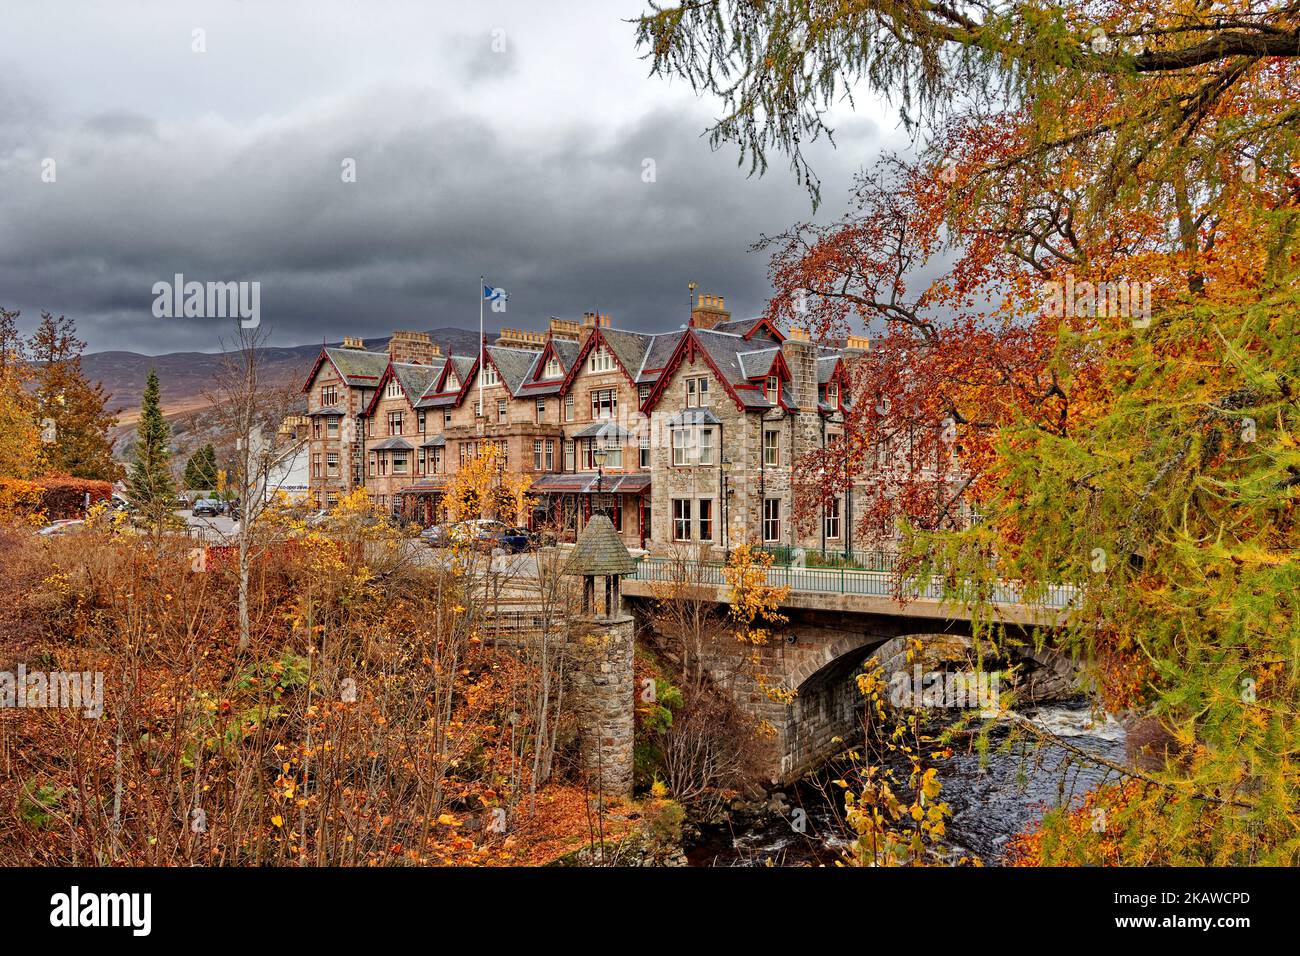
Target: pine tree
201 469
151 486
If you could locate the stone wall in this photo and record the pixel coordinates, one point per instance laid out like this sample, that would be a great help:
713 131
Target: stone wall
603 688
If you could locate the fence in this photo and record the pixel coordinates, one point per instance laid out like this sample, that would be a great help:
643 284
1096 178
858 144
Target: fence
842 580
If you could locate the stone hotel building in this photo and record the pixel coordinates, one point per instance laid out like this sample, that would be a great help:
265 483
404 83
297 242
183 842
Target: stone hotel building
683 436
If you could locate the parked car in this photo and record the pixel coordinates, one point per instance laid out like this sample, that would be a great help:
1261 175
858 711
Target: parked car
516 540
64 526
436 535
207 507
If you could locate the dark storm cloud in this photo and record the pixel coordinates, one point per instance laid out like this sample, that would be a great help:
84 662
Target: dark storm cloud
562 218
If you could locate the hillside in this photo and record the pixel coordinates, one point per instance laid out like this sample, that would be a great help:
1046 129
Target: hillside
185 378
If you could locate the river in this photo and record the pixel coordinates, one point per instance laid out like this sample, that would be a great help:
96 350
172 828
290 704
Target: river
989 803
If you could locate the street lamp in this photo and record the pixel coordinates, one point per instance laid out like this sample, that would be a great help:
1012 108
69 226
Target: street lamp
598 455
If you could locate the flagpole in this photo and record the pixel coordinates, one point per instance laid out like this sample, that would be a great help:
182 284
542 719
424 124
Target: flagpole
482 286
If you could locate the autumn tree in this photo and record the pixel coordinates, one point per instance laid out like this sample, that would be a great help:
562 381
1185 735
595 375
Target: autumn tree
21 450
77 407
1103 364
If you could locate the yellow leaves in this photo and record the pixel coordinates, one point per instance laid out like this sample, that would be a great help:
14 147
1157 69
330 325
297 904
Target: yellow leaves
447 820
277 821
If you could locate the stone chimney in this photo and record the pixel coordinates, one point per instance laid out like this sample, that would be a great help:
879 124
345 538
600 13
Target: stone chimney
590 321
801 355
564 329
519 339
855 345
709 311
353 342
413 348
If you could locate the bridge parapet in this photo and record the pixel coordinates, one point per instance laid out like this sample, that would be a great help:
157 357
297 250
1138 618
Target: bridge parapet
857 591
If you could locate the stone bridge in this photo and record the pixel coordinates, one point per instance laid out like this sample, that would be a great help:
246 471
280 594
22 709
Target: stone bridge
837 620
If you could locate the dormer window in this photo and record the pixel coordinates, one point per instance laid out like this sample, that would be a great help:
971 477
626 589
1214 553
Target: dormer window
453 383
773 390
552 369
833 393
393 389
602 360
490 376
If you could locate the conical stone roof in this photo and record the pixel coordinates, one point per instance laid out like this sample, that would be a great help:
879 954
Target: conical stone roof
599 550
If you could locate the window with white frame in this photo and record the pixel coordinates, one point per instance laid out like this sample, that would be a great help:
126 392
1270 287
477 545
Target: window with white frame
833 393
452 384
394 423
771 519
706 519
831 519
332 464
552 369
771 447
604 403
420 422
568 407
490 376
568 455
680 446
706 446
601 360
537 454
399 462
446 417
393 389
642 393
501 409
541 410
613 455
681 519
373 456
773 390
329 395
644 446
550 454
332 427
697 392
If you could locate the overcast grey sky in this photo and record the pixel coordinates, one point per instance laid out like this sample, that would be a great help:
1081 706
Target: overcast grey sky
526 165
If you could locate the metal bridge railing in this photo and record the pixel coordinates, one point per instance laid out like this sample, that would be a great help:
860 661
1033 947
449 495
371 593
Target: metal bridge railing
839 581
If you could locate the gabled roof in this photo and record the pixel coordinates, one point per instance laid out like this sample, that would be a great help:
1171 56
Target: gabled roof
358 368
757 327
658 351
435 397
415 380
719 351
512 364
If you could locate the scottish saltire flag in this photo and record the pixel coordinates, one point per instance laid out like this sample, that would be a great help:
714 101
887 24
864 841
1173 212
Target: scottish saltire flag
491 295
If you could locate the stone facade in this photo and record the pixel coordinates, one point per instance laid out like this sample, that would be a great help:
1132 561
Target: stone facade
743 401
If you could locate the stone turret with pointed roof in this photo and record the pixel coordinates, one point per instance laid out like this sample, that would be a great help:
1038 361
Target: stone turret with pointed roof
600 553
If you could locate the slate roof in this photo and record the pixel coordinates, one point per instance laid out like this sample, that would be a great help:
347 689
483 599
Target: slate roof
608 430
694 416
359 367
758 361
325 412
659 350
437 441
418 379
513 364
628 347
392 444
599 550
